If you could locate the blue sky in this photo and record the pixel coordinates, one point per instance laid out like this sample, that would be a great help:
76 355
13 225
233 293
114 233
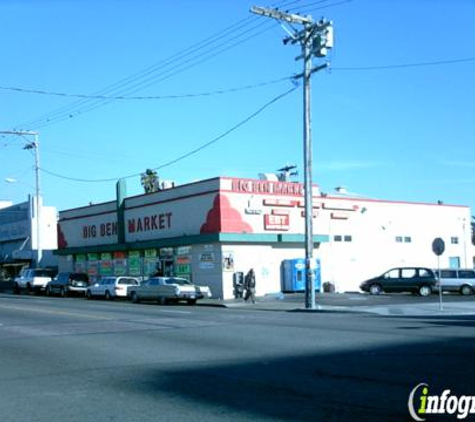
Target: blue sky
381 128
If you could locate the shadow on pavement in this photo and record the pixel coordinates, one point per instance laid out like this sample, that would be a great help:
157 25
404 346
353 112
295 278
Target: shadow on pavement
355 385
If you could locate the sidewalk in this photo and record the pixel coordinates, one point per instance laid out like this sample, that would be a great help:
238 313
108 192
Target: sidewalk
296 303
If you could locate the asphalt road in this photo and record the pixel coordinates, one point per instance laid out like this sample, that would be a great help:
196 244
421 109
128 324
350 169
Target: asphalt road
77 360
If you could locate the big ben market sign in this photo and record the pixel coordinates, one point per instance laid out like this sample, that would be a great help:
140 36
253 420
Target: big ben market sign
267 187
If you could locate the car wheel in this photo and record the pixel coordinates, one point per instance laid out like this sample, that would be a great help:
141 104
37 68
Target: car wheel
191 301
63 292
375 289
425 291
88 295
16 289
29 289
466 290
134 297
48 291
162 301
108 296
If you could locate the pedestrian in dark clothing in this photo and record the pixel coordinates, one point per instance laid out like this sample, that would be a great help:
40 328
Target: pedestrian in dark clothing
250 286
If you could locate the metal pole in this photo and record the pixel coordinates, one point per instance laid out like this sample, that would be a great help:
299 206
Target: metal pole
310 276
441 306
35 145
38 200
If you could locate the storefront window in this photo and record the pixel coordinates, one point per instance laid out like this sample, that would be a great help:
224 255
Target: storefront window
120 263
135 264
105 265
151 262
182 266
80 263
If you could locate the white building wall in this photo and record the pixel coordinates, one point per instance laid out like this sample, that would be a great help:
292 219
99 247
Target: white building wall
390 234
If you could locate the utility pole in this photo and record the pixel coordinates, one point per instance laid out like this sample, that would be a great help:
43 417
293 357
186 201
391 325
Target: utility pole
315 38
35 145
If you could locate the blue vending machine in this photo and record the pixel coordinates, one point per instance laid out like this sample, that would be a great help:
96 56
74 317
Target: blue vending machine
293 275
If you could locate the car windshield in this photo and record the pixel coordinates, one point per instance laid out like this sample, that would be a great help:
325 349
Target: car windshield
79 277
43 273
181 281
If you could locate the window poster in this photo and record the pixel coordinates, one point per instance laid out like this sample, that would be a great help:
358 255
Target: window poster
135 264
120 263
105 267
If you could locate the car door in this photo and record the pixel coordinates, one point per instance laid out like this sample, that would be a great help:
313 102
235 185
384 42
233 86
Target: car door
151 289
448 280
408 280
100 289
390 280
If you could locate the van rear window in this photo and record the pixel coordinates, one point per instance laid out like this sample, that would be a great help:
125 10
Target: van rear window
43 273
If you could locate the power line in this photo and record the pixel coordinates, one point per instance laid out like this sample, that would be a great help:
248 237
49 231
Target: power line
306 8
186 155
405 65
162 63
71 110
147 97
100 103
136 82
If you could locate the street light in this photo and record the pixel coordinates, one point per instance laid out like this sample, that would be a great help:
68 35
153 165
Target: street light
35 145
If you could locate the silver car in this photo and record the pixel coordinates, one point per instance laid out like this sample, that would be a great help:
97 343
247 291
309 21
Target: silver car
168 289
456 280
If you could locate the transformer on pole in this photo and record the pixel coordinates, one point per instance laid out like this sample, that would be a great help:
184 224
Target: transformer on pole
315 39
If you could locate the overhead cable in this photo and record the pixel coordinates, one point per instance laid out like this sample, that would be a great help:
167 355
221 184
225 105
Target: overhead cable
186 155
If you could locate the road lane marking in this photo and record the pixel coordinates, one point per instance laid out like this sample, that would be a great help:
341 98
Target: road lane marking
175 312
52 312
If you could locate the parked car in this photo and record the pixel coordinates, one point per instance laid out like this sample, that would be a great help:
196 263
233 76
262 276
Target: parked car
456 280
405 279
68 283
168 289
111 287
33 280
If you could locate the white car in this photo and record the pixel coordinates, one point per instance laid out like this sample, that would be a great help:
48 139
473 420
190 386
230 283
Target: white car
111 287
32 280
168 289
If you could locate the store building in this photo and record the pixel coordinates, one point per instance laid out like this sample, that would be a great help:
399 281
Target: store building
212 229
19 232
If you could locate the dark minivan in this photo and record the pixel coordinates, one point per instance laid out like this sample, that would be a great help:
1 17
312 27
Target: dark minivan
66 284
404 279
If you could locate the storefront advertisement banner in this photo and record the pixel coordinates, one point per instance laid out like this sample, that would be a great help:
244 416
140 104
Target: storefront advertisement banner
206 260
166 252
135 264
120 266
183 250
183 269
150 253
228 261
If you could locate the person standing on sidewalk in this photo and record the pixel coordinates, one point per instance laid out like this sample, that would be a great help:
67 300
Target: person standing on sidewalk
250 286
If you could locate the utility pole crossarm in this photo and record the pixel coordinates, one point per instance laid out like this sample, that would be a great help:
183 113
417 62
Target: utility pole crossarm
17 132
281 16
